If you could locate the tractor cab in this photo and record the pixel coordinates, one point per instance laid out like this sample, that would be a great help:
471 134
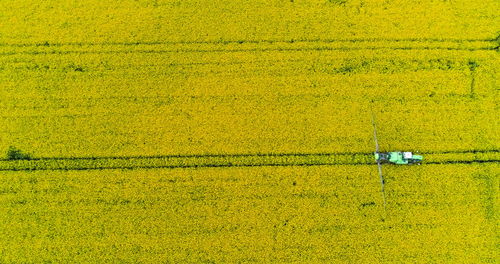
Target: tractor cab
398 157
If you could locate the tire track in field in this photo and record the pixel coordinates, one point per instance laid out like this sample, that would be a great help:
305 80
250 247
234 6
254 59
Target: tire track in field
233 160
269 41
243 50
464 161
232 46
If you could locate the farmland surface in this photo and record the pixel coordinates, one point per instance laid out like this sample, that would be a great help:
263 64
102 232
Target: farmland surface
240 131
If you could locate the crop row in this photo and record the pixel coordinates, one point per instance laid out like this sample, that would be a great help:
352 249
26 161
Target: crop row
195 20
250 46
243 160
186 161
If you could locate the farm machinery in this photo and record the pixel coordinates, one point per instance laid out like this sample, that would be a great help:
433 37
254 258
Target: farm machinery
393 157
398 157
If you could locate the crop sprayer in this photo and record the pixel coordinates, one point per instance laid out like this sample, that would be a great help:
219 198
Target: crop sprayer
393 157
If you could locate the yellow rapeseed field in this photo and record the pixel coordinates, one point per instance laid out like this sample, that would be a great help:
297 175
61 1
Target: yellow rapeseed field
124 105
436 213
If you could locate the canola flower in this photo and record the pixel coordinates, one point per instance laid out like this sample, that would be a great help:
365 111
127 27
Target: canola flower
164 77
313 214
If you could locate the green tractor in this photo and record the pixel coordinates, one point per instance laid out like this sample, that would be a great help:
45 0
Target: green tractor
398 157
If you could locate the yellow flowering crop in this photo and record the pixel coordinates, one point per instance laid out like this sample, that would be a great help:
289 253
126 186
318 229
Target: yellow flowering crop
313 214
124 105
